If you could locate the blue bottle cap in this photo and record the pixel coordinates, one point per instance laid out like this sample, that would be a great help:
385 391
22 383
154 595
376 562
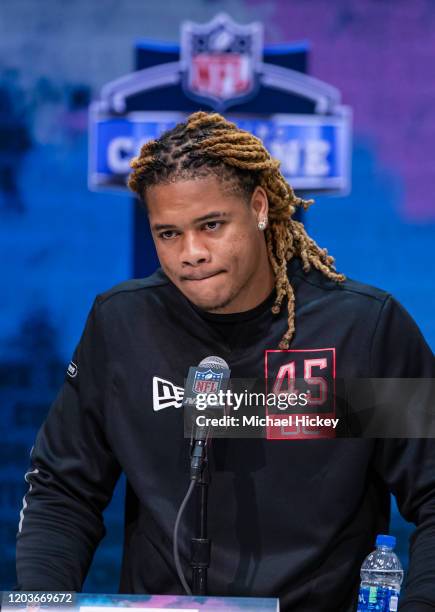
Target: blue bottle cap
386 540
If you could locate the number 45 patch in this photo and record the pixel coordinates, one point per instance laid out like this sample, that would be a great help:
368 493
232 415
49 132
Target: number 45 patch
308 373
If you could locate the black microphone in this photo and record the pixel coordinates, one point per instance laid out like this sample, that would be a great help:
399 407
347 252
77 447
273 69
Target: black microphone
210 377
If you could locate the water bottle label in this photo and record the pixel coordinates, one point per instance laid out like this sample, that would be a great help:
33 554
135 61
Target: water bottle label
377 598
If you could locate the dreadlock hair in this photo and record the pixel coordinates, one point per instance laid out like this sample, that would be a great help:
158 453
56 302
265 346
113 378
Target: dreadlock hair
209 144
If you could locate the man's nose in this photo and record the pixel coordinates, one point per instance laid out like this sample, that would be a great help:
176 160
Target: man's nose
195 251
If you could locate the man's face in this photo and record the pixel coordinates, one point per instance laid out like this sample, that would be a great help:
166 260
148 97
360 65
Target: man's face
209 245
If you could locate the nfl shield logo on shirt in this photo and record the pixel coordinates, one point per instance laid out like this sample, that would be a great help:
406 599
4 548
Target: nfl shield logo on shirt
221 61
207 382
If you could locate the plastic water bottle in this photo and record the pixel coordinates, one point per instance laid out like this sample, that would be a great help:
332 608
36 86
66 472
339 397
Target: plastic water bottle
381 577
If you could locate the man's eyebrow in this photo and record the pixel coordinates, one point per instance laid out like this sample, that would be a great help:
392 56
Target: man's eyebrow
159 226
212 215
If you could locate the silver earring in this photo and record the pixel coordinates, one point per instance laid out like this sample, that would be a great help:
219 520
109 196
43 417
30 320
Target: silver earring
262 225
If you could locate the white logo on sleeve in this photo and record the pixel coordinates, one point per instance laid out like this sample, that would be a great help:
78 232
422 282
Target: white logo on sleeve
166 394
72 369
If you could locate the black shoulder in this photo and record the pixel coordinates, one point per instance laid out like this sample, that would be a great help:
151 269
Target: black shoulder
353 286
318 281
135 285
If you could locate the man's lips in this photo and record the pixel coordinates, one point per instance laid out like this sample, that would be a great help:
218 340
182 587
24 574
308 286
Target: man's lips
200 278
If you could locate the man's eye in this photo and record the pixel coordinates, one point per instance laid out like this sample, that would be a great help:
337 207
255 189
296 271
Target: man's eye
168 234
213 225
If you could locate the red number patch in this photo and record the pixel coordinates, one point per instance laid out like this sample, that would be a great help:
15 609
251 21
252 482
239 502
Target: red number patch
309 375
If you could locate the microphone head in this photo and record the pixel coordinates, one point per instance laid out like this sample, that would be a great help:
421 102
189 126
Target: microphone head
214 362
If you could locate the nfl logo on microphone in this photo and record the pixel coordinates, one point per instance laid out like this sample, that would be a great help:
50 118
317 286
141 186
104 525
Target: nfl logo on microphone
207 382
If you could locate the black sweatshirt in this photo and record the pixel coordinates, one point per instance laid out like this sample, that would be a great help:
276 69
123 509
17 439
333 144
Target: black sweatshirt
292 519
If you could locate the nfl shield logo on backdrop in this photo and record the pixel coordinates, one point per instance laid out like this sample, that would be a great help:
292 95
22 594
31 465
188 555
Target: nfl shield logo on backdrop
207 382
220 61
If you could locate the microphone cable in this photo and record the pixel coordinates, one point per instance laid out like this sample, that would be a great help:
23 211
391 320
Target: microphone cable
175 538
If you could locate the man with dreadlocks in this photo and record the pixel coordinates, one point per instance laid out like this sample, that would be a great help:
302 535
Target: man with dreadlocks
239 278
215 149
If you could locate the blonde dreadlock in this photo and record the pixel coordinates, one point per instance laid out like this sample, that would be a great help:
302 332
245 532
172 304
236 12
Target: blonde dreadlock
208 143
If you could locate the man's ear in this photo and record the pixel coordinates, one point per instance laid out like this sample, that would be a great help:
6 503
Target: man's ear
260 203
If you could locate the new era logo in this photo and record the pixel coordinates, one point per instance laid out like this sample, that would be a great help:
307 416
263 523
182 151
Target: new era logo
166 394
72 369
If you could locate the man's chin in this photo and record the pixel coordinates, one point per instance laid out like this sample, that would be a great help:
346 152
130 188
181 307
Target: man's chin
209 303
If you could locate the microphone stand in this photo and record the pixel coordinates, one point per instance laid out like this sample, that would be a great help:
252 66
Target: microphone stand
206 379
201 544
